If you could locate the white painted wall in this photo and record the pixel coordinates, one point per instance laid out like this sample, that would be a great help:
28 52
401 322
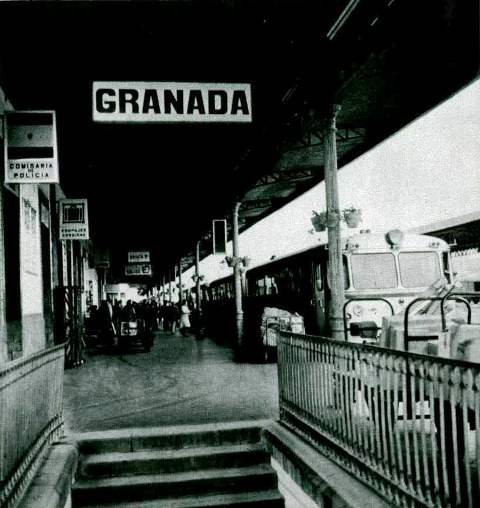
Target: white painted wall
33 328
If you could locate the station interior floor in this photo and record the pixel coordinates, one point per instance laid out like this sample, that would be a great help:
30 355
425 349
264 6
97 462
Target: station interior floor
180 381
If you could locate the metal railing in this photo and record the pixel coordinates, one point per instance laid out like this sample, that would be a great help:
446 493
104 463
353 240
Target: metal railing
407 425
31 392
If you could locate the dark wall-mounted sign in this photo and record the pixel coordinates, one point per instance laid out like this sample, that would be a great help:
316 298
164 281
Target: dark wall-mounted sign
219 236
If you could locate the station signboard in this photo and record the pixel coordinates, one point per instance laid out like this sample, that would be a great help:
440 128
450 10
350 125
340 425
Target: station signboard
30 147
139 256
138 269
143 101
74 219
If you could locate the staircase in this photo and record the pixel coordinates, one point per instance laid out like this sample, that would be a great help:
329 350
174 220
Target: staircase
214 465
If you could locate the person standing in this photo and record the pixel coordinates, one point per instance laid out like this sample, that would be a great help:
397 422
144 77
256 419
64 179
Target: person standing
184 319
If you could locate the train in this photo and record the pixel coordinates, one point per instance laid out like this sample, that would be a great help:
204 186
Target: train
382 274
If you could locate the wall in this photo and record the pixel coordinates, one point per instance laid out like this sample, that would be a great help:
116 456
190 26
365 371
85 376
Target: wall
5 105
33 325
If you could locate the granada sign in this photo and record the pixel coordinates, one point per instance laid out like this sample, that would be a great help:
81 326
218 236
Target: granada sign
142 101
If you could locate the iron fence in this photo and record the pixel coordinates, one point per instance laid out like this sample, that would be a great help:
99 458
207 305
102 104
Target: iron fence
31 392
406 424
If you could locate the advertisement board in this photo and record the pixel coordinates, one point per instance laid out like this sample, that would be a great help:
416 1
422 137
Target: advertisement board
74 219
30 147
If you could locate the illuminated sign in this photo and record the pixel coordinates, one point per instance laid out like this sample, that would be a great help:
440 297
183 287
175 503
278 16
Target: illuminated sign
138 269
73 219
30 147
141 101
139 257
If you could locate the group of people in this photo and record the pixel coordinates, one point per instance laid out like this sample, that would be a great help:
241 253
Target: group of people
173 317
106 320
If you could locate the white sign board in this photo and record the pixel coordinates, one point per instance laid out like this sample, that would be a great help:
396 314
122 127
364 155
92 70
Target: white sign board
139 257
73 219
142 101
138 269
30 147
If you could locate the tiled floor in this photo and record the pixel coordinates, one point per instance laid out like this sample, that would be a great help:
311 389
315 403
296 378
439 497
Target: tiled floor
181 381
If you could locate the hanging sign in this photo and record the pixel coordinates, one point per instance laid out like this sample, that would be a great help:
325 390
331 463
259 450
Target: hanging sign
219 236
73 219
30 147
139 257
142 101
138 269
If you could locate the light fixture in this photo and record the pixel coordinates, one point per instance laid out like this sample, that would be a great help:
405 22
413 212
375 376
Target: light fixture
394 237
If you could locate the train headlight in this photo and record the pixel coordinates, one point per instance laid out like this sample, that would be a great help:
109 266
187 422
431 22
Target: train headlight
357 310
394 238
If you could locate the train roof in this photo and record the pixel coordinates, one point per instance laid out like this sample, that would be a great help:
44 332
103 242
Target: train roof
370 241
365 240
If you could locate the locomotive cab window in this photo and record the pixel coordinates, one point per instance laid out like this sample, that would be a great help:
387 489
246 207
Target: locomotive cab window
374 271
419 269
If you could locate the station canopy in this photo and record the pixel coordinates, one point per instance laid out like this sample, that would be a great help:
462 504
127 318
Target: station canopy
157 186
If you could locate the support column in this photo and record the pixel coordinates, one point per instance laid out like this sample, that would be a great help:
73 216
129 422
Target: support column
237 278
180 292
335 262
197 282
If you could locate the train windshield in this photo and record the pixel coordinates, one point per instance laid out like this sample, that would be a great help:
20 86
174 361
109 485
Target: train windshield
419 269
374 271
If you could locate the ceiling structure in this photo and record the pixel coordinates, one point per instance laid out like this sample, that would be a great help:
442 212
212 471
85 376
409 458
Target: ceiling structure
158 186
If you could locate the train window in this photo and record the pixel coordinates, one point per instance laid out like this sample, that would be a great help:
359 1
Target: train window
374 271
419 269
346 275
318 276
260 287
446 266
270 285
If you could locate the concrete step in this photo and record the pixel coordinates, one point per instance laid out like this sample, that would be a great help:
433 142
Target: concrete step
164 438
260 499
171 461
158 486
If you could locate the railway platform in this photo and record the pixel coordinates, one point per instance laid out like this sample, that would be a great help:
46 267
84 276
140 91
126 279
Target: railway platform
180 381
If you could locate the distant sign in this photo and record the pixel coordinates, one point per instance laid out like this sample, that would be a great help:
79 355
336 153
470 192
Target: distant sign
31 147
141 101
139 257
73 219
219 236
138 269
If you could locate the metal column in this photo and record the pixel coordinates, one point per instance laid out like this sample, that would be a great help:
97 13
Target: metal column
197 282
237 278
180 294
335 262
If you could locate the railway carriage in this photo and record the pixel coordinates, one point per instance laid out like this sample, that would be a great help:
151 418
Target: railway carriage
382 274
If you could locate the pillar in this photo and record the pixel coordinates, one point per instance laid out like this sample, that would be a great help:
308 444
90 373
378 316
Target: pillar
197 281
335 262
237 278
180 291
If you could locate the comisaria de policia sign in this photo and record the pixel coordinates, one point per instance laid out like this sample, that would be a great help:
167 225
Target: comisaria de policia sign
30 147
141 101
